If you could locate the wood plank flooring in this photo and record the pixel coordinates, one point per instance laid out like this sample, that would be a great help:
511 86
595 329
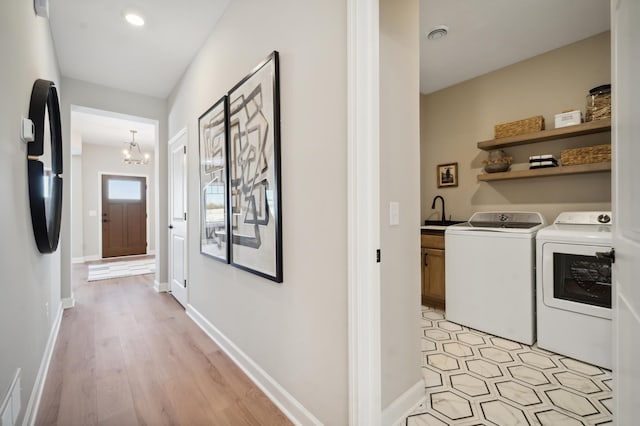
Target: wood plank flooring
126 355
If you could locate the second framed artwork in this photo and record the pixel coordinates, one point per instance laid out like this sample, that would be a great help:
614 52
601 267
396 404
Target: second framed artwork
214 175
240 174
447 175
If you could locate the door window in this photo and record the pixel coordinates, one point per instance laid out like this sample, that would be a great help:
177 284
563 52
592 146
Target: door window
120 189
582 279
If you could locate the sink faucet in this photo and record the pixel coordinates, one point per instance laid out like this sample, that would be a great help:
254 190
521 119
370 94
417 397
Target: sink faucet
433 205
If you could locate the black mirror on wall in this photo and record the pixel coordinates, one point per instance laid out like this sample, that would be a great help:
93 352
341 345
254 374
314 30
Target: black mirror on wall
44 157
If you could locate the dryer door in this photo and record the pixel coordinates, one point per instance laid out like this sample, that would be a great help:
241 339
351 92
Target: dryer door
573 279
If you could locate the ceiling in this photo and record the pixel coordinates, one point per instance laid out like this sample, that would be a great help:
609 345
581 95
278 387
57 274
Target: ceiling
486 35
94 43
105 128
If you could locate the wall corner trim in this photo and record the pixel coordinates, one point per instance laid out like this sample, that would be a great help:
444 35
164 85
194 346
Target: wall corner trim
31 411
160 287
68 302
404 405
291 407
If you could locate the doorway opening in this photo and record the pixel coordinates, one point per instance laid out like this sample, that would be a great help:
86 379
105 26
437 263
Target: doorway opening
113 202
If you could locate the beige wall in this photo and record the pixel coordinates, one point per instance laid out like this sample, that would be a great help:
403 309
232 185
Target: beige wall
454 119
399 182
296 331
30 283
96 161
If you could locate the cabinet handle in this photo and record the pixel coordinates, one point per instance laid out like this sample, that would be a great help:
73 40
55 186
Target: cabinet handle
426 262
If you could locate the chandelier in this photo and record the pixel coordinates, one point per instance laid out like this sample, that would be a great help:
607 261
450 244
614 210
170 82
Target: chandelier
133 155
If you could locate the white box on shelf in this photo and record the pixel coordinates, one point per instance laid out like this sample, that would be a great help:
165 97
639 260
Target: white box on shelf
569 118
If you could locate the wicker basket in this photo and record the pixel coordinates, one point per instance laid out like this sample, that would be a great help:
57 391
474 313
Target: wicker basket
527 125
586 155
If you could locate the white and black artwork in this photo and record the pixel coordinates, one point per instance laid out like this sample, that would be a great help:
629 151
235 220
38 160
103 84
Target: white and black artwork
214 223
254 167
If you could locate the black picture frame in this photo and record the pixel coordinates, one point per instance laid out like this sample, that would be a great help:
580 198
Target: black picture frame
44 168
255 208
213 142
447 175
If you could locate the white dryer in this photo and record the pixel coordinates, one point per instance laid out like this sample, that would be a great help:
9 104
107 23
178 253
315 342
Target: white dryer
490 273
574 287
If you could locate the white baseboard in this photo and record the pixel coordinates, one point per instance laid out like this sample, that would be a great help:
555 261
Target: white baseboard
160 287
36 394
68 302
293 409
92 258
404 405
77 260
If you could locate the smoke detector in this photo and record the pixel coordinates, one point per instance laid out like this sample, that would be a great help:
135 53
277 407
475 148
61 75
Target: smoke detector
438 32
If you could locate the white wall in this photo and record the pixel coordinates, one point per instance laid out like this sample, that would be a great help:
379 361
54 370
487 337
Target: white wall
454 119
81 93
96 161
295 331
30 280
399 182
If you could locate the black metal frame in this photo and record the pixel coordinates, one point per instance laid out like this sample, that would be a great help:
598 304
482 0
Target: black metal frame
44 97
225 105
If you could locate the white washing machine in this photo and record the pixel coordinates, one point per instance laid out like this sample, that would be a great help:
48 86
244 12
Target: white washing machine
490 273
574 287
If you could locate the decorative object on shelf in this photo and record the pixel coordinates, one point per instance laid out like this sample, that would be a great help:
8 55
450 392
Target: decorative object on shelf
586 155
447 175
497 162
542 161
254 162
133 154
214 176
44 162
568 118
599 103
519 127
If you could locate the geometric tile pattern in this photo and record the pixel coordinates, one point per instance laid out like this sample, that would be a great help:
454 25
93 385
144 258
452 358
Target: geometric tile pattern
474 378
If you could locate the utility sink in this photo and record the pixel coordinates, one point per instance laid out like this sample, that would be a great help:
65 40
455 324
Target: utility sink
438 225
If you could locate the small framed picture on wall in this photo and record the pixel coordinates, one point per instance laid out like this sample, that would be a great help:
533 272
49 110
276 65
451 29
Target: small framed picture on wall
447 175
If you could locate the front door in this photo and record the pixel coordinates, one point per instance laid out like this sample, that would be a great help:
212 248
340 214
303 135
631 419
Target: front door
178 218
626 209
124 215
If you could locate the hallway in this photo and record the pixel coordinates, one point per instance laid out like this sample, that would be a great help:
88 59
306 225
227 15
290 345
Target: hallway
127 355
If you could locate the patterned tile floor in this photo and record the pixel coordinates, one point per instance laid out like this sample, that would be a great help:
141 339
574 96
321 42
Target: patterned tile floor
473 378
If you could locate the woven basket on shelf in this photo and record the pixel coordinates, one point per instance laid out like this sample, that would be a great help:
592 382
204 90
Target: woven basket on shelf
519 127
586 155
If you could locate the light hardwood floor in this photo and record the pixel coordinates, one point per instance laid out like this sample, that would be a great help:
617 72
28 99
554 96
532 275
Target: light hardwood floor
127 355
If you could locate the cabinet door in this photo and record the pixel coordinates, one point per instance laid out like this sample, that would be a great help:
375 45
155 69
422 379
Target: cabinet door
433 282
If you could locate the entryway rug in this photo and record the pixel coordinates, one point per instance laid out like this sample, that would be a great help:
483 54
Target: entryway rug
126 268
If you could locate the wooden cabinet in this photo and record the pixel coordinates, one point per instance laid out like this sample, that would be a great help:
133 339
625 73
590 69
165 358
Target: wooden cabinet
433 289
591 127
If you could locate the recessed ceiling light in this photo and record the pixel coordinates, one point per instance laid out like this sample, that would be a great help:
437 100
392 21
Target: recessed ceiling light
134 19
438 32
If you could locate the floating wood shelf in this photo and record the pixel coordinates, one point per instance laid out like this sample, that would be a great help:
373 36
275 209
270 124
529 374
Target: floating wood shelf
596 126
549 171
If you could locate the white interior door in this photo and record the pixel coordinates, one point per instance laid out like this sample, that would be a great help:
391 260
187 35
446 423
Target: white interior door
626 208
178 217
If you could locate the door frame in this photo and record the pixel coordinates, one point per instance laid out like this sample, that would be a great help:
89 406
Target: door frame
147 221
363 212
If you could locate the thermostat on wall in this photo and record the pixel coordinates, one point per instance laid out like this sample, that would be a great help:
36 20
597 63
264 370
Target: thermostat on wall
41 7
